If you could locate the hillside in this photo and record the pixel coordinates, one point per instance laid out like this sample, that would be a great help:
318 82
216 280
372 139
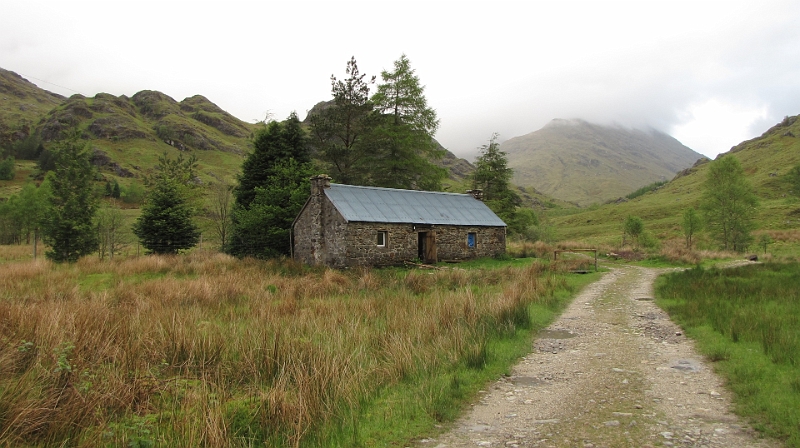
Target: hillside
127 135
765 159
580 162
22 104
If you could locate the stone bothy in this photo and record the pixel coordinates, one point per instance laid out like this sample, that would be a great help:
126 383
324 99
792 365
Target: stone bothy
344 225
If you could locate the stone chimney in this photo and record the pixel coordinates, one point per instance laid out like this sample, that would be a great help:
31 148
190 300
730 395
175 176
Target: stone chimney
320 183
477 194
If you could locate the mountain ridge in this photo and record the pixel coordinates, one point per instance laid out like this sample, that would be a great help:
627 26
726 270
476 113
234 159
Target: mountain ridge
766 160
585 163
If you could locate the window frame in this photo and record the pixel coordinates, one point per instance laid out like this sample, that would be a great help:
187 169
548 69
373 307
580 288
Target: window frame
473 236
382 235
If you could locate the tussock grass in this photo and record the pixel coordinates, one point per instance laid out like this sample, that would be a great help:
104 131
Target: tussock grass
748 320
207 350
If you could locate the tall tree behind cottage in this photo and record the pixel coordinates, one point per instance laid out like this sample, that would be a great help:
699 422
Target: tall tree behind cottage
493 176
272 188
404 144
342 131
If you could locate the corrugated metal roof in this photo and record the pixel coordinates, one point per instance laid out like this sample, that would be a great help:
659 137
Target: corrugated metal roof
374 204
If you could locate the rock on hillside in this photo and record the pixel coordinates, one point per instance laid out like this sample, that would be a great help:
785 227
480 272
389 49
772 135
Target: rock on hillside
585 163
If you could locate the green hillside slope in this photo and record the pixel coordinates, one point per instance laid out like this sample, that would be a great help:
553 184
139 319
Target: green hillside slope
128 134
22 103
765 159
586 163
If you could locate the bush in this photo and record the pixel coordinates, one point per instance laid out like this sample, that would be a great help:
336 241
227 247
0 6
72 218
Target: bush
132 194
7 170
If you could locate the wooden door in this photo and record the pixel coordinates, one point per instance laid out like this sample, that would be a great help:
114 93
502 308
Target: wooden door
430 247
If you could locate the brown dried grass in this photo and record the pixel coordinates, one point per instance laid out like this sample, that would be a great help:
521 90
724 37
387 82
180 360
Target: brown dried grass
183 337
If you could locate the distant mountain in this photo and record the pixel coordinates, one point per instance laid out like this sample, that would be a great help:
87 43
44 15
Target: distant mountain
766 161
585 163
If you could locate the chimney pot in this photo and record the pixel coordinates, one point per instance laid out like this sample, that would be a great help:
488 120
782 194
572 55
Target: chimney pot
477 194
320 183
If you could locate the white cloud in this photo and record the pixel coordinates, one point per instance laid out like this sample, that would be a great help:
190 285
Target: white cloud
499 66
715 126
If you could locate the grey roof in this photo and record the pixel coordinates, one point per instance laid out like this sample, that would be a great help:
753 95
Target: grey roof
373 204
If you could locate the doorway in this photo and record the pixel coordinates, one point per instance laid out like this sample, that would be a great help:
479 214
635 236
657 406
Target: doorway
426 247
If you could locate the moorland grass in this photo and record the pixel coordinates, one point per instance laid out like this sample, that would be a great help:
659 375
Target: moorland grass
747 320
207 350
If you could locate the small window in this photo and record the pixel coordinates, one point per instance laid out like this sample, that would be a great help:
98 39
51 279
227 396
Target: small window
381 238
471 237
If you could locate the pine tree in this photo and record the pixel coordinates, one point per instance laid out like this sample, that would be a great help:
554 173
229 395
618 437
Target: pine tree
342 132
115 190
493 176
69 227
271 144
165 225
263 229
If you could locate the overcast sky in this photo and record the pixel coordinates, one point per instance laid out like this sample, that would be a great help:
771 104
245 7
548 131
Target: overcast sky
711 74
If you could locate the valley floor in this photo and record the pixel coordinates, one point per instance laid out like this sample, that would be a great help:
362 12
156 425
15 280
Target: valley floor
612 371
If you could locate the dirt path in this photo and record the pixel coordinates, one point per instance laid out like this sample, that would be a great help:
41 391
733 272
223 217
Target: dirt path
612 371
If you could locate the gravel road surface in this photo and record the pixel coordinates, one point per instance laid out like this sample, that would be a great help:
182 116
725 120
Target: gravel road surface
612 371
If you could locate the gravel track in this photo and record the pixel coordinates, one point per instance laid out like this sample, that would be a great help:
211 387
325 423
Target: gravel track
612 371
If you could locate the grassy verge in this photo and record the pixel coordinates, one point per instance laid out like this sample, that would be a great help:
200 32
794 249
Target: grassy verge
206 350
746 320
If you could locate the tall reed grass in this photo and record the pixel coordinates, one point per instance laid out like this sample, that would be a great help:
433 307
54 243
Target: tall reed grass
207 350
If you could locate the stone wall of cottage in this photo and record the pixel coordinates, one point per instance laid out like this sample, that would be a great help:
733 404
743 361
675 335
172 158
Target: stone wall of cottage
317 235
402 243
321 236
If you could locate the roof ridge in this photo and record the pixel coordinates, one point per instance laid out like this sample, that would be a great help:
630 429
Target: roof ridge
367 187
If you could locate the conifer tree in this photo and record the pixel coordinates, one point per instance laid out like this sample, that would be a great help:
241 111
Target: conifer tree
272 188
69 227
166 223
493 176
342 131
403 136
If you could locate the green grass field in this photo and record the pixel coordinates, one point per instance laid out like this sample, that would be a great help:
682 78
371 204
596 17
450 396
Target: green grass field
747 321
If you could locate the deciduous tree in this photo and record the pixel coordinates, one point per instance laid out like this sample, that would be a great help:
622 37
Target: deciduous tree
633 227
220 208
691 225
111 230
7 168
729 204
